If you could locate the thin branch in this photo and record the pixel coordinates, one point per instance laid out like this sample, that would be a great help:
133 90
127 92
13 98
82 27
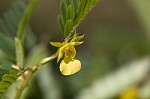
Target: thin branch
27 75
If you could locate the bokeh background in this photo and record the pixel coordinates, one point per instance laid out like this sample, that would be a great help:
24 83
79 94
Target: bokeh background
115 54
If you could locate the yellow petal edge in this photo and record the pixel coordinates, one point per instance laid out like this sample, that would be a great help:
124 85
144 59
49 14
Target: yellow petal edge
71 67
56 44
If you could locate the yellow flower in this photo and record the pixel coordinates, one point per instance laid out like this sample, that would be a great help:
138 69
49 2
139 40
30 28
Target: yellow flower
130 93
69 65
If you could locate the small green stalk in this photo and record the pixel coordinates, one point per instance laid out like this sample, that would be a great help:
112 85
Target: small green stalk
19 53
25 19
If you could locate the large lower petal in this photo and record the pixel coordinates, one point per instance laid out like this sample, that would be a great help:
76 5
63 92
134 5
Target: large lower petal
70 66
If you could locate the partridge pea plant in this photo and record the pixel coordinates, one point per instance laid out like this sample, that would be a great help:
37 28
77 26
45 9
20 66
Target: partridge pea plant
13 33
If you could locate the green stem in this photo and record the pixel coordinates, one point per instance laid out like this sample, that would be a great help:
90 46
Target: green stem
21 30
27 75
19 53
25 19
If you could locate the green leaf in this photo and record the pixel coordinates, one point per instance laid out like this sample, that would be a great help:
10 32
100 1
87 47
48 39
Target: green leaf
19 52
7 80
68 28
61 22
69 14
13 73
70 2
11 29
8 29
87 6
75 4
9 21
25 19
75 10
80 11
7 46
3 69
93 3
5 64
63 7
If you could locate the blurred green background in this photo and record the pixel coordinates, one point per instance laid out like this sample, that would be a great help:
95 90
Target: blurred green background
117 33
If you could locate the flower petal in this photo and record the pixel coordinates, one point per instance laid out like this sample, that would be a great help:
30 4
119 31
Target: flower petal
70 51
69 66
56 44
78 43
60 53
75 43
73 52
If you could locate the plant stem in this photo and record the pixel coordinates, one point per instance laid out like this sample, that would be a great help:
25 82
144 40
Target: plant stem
20 33
27 75
19 53
25 19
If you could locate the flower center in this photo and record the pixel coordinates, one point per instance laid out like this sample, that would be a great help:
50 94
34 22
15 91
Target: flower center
69 51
